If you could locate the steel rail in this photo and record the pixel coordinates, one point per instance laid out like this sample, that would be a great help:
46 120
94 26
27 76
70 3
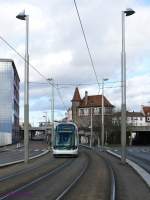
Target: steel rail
51 173
23 171
71 185
112 174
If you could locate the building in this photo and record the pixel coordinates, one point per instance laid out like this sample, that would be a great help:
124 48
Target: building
141 118
133 118
9 102
90 108
146 112
68 117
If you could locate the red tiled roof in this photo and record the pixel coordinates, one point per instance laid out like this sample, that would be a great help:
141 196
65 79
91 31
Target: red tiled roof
76 96
146 110
95 101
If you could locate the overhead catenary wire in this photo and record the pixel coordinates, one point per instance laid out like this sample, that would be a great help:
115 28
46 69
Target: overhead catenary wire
74 84
59 94
66 87
21 56
45 78
34 68
71 85
87 45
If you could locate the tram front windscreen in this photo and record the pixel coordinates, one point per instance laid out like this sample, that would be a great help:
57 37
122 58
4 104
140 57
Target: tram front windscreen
65 136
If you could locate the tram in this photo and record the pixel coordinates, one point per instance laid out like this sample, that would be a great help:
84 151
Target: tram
65 140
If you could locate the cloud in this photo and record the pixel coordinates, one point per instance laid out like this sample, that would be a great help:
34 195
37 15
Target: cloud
57 48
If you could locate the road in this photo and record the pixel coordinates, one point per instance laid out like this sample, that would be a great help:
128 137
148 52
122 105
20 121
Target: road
11 153
86 177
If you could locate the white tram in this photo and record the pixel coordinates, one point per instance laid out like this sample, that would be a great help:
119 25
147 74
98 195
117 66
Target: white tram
65 140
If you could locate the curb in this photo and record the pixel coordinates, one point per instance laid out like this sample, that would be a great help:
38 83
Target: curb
88 147
6 149
144 175
20 161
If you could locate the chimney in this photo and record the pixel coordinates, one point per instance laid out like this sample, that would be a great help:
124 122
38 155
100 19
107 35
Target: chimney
86 97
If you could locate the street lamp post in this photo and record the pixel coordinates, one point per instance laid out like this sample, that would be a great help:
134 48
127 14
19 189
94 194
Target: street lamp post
127 12
51 81
23 16
46 121
102 131
91 138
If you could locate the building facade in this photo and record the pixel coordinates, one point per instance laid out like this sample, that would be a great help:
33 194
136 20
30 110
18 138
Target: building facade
146 111
90 108
134 118
9 102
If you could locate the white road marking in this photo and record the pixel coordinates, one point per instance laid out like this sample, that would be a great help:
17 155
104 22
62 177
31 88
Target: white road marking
36 149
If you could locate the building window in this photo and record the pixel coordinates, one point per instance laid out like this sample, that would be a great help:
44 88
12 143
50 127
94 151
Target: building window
108 109
81 112
96 111
100 110
86 111
148 119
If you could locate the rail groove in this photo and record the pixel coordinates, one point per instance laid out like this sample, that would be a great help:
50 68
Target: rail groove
112 175
70 186
24 171
51 173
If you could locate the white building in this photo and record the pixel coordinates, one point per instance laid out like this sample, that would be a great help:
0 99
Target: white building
133 118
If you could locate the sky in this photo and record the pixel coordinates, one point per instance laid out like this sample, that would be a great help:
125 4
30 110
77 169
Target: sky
57 50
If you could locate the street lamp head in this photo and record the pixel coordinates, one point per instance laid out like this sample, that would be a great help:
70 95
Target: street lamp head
22 15
49 79
129 12
105 79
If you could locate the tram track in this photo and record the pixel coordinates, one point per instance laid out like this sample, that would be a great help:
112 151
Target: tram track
12 194
124 181
128 184
112 193
23 171
95 183
7 180
72 184
94 175
112 177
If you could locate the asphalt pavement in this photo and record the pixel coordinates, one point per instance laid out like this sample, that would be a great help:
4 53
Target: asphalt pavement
11 153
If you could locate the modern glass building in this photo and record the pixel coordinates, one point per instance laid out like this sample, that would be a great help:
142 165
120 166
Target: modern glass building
9 102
